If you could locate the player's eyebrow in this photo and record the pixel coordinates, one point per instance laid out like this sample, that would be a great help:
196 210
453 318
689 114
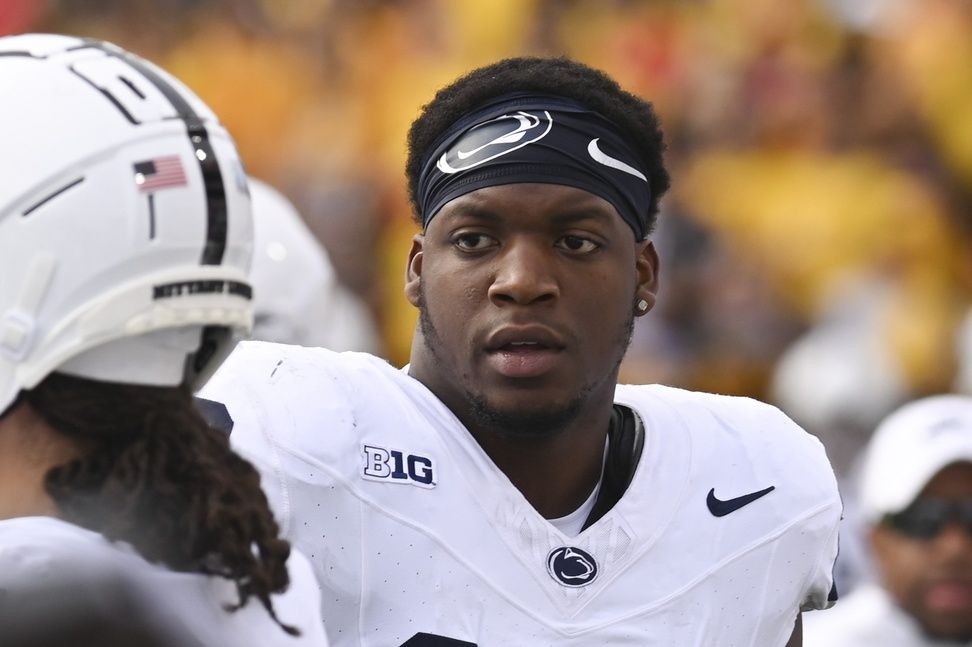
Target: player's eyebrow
471 211
570 216
582 214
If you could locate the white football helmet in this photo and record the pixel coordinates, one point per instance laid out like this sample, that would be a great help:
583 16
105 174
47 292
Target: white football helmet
298 298
125 224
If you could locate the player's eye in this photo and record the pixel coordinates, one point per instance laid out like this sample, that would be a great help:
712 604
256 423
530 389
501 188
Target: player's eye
577 244
472 242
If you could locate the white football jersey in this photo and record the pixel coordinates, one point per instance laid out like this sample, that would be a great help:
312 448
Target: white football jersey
727 530
41 556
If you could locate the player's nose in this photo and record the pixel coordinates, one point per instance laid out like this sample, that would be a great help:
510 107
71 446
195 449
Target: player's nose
525 274
954 544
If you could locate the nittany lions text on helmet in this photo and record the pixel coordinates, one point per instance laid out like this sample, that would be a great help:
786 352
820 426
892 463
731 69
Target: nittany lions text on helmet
126 208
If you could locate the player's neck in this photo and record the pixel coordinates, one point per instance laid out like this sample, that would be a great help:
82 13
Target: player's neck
557 473
28 449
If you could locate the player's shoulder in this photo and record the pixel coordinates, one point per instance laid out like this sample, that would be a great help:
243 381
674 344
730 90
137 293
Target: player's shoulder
738 418
48 534
258 362
301 370
282 398
267 383
44 548
726 428
43 556
685 397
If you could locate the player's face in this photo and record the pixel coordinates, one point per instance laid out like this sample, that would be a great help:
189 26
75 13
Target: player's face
527 296
932 578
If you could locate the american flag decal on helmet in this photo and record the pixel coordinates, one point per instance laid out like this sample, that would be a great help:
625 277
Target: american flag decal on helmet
160 173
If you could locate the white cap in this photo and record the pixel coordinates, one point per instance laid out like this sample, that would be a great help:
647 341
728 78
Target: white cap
909 448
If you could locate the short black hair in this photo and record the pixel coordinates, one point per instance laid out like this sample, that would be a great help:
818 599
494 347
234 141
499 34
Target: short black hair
633 116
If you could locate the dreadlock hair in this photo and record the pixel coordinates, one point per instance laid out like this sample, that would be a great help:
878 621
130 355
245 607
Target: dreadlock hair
154 474
563 77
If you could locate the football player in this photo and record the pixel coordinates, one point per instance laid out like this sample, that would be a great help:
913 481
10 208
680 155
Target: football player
125 240
501 489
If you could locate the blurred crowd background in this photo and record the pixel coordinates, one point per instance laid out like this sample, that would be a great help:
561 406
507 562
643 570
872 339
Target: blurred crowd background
815 245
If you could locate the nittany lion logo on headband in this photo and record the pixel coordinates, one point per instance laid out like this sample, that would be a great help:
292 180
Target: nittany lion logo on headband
495 138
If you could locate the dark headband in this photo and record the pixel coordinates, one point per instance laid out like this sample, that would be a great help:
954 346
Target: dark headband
536 138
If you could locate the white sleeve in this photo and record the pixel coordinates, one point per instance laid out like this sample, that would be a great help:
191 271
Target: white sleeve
290 407
51 569
41 551
821 587
238 386
300 605
801 461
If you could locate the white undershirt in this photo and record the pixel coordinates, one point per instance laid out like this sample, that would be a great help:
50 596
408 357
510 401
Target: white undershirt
572 524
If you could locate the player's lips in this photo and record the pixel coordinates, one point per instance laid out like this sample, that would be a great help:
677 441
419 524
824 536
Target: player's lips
949 596
523 351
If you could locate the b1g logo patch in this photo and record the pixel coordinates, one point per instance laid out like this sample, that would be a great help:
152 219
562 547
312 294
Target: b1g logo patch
571 566
394 466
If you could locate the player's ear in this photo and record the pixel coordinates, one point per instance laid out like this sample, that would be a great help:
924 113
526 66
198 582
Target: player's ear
646 267
413 272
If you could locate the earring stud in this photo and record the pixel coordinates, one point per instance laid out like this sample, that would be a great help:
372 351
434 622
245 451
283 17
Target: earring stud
642 306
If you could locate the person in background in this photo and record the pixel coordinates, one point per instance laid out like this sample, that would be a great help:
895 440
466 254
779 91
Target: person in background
915 495
125 241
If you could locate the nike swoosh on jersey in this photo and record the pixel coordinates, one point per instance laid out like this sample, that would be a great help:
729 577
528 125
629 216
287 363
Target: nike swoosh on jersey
433 640
720 508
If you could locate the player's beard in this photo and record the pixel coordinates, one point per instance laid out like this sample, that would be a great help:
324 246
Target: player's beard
537 424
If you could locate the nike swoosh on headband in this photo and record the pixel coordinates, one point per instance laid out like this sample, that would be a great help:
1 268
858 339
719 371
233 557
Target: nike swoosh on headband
601 157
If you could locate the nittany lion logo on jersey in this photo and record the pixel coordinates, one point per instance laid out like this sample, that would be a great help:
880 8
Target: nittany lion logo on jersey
571 566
